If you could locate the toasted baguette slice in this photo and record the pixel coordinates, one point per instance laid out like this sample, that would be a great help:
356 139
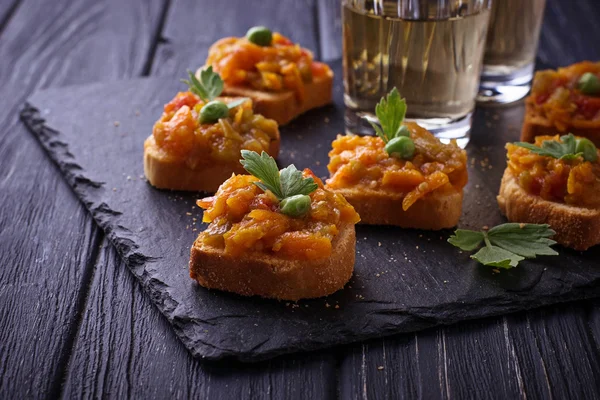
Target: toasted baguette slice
284 106
269 276
434 211
164 173
576 227
535 125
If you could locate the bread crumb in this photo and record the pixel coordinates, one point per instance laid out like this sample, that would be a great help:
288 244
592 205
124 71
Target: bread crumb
379 244
327 305
336 307
116 123
496 270
326 120
188 213
114 189
485 227
380 367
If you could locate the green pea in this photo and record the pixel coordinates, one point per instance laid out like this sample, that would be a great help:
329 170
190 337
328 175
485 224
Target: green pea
585 146
295 206
213 111
401 147
589 84
260 35
403 131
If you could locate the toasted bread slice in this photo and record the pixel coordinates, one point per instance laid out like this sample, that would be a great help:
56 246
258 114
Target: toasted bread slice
165 173
284 106
536 125
434 211
576 227
273 277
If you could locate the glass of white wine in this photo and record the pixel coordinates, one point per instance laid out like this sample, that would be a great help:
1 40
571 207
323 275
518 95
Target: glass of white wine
510 50
430 50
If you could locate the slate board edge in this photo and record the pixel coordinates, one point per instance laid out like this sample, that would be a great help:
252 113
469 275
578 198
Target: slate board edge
136 262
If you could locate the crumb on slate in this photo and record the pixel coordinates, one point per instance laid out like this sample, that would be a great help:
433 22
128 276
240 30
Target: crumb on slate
116 123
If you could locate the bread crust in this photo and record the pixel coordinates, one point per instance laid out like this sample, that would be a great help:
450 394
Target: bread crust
535 125
273 277
165 173
576 227
433 212
284 106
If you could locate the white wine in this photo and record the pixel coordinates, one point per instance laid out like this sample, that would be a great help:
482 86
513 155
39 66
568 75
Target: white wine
513 34
434 63
510 50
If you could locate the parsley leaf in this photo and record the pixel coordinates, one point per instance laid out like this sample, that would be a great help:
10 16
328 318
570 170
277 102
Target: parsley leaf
390 111
465 239
208 87
526 240
495 256
289 183
292 182
264 168
506 244
563 150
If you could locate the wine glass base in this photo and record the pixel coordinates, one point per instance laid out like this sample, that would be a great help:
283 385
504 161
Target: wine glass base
445 129
504 85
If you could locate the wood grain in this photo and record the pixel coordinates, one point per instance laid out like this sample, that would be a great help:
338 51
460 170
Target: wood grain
124 346
190 30
49 241
7 10
565 30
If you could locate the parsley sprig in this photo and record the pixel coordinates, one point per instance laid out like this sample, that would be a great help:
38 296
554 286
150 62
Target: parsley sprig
390 111
566 149
209 86
507 244
285 185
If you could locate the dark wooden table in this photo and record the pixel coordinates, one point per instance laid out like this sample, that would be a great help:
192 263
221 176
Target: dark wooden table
74 323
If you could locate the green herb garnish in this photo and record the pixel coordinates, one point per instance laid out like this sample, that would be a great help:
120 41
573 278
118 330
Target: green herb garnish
566 149
288 184
208 87
391 111
507 244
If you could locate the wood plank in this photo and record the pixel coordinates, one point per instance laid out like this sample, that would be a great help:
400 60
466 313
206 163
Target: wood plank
49 241
564 32
126 348
558 357
546 353
7 9
124 345
191 28
467 360
330 29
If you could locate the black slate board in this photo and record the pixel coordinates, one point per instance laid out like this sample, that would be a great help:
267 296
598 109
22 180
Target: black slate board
405 280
